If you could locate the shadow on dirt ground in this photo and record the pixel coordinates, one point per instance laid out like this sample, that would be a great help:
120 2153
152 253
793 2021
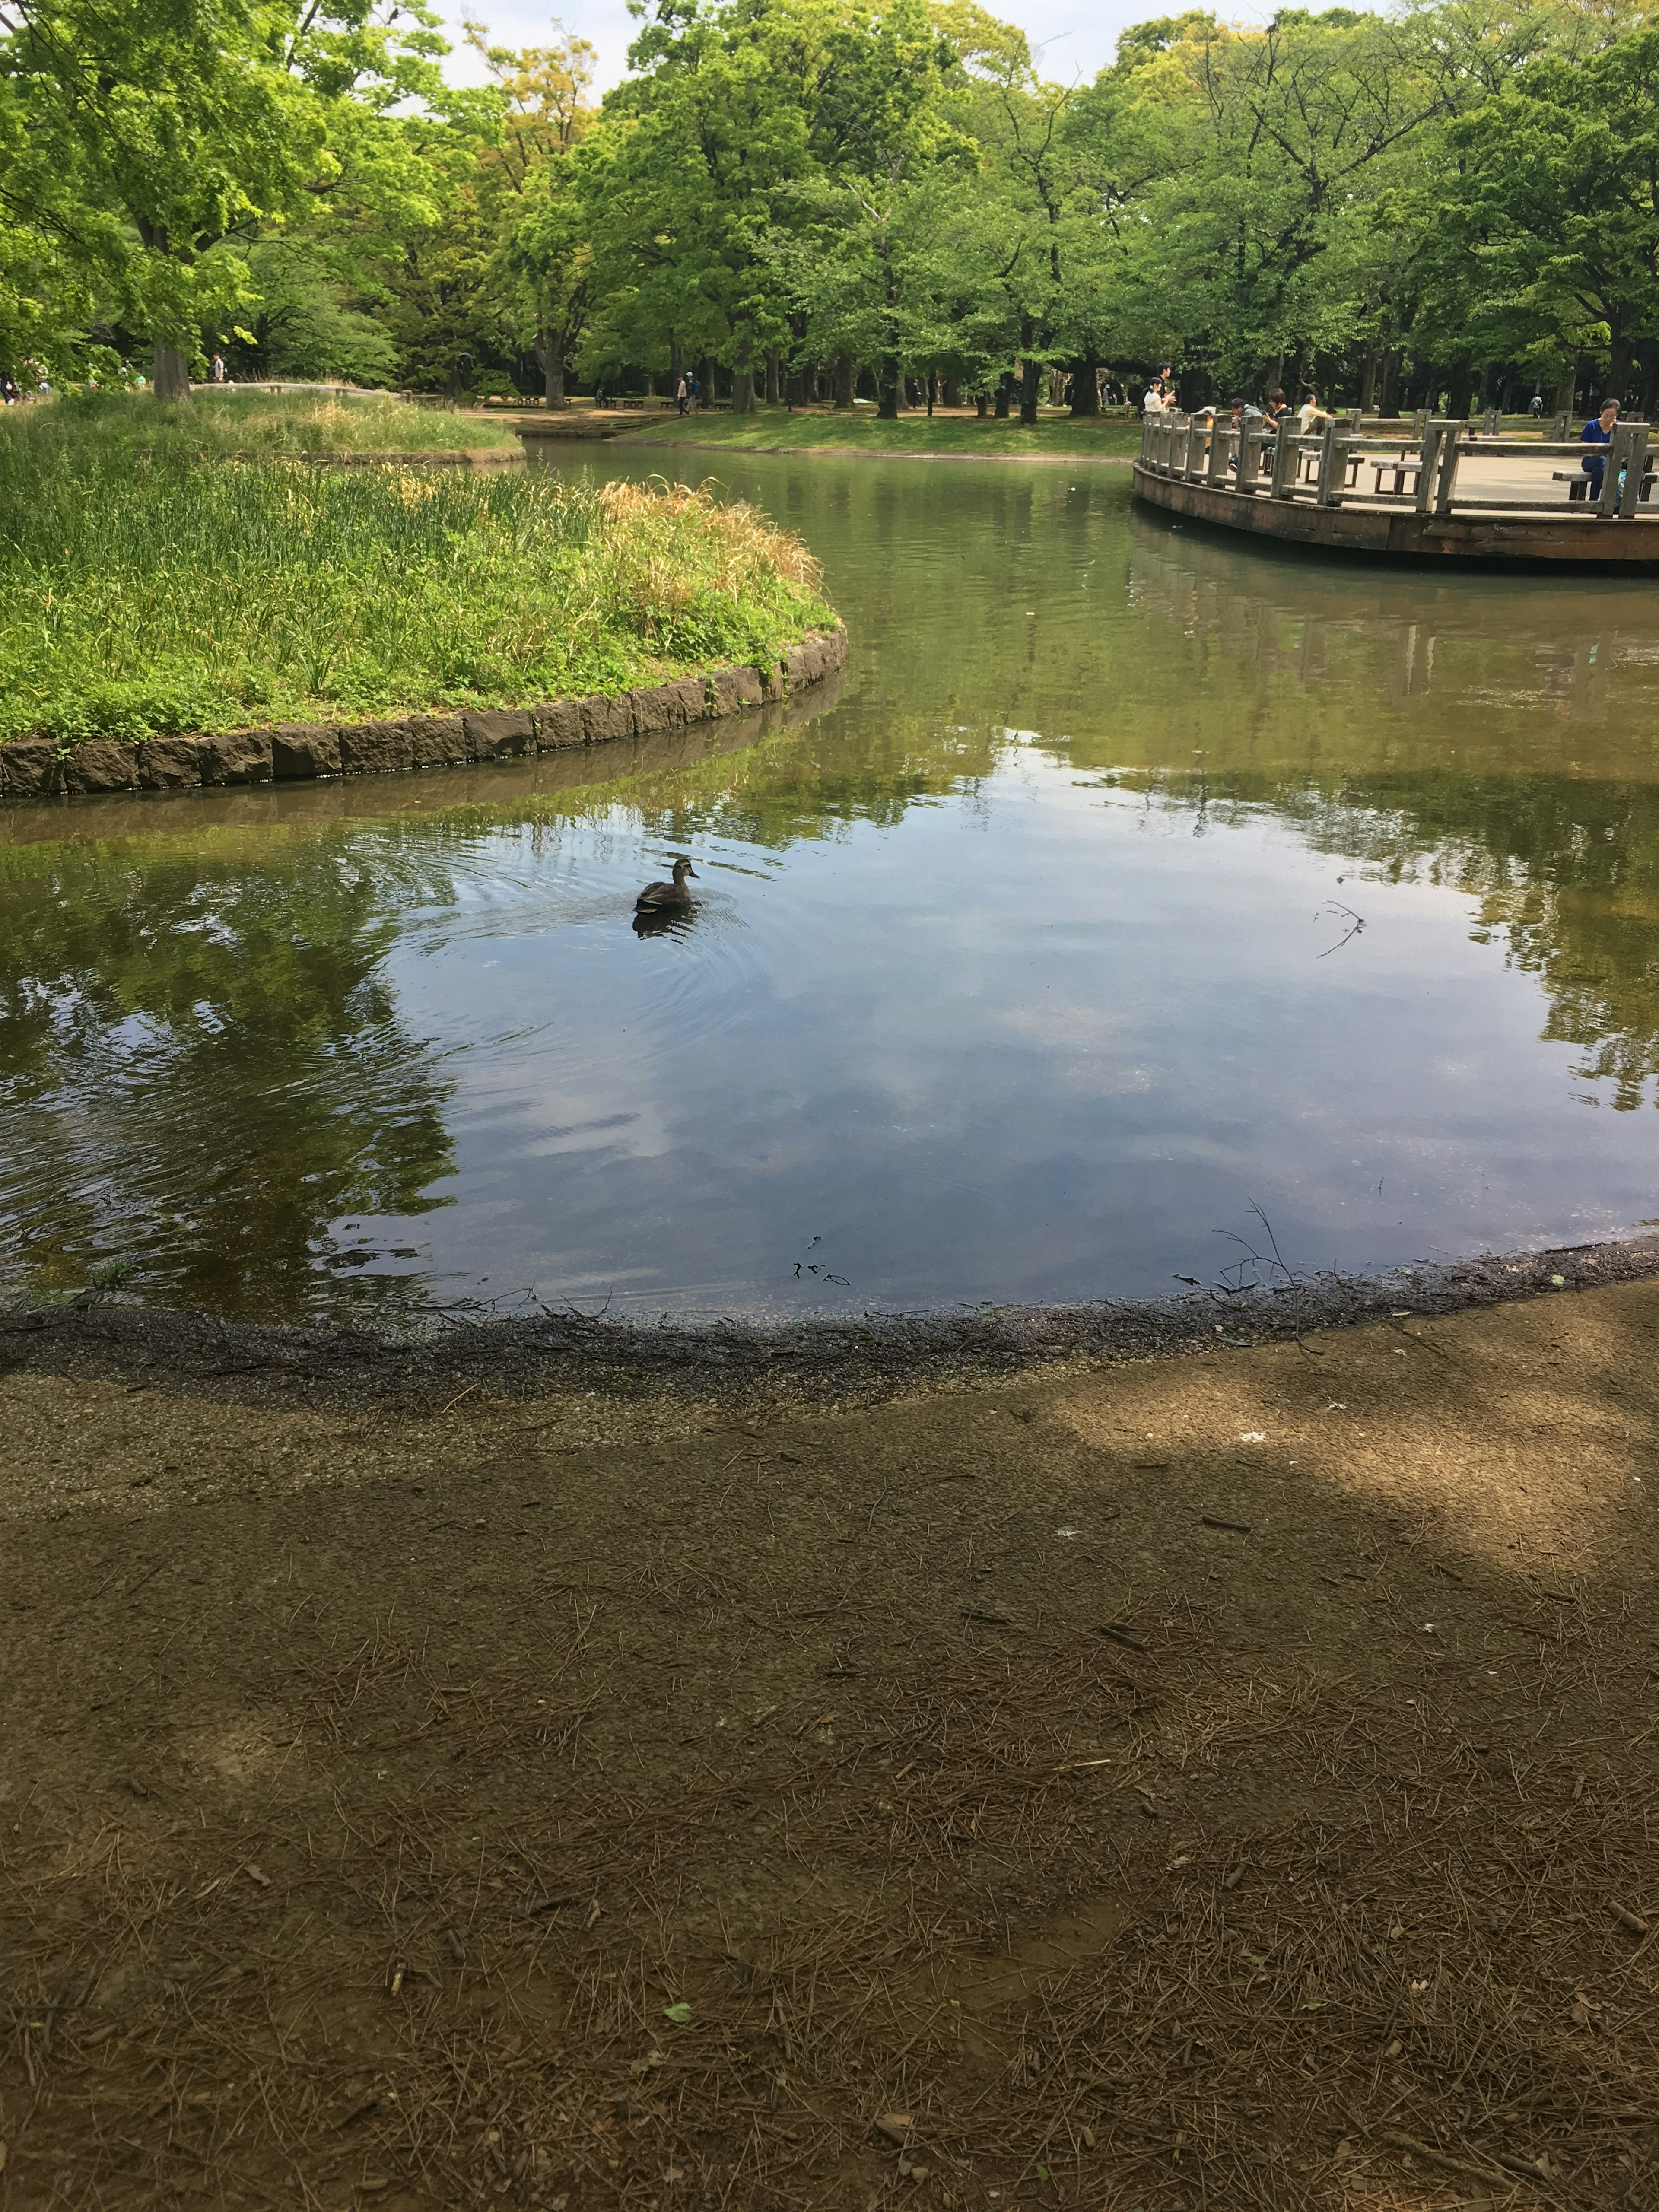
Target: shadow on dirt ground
1213 1781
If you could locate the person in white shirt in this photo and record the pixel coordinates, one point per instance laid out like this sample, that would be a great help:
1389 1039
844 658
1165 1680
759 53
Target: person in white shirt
1154 403
1309 412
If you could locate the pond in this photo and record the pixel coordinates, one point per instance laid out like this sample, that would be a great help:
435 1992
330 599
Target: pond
1138 888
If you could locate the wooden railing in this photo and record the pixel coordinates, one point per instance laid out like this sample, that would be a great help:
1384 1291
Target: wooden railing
1255 460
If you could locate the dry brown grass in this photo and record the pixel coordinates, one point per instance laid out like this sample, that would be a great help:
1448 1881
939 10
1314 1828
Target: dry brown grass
360 1846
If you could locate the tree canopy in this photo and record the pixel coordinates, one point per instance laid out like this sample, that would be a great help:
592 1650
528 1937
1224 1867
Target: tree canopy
805 198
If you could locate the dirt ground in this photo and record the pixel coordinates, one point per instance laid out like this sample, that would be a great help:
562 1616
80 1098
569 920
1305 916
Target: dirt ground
1216 1781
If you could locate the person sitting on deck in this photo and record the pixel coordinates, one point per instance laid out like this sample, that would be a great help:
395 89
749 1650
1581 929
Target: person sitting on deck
1309 412
1598 432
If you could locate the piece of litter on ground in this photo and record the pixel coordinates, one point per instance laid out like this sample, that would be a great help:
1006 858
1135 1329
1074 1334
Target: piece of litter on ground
1068 1531
896 2126
1559 1281
1253 1436
679 2014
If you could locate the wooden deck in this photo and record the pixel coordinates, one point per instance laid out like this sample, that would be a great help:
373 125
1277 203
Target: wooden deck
1428 491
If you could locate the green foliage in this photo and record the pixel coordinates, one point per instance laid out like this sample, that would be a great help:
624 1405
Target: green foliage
152 592
795 188
1541 239
144 147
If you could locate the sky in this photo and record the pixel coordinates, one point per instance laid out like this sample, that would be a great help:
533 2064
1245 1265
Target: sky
1070 41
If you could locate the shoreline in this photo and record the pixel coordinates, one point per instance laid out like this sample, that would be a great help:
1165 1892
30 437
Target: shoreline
34 769
858 453
815 1361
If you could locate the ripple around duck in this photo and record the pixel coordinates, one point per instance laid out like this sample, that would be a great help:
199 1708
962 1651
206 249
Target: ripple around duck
554 913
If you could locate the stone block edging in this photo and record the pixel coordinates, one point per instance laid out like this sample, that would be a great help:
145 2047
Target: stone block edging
288 752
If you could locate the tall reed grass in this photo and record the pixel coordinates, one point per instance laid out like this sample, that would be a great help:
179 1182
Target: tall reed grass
231 424
148 593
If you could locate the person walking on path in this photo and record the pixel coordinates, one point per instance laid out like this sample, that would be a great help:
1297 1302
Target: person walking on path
681 395
1598 432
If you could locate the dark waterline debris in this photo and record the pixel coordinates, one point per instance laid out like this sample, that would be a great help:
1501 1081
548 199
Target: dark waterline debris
859 1359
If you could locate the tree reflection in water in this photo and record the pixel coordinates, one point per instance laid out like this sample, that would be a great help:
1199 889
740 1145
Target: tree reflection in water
204 1067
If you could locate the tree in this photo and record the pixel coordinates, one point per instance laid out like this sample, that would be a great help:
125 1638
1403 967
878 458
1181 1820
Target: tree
1539 239
142 148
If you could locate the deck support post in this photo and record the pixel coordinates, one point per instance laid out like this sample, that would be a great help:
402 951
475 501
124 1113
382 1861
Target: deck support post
1450 446
1333 456
1428 460
1618 457
1635 467
1217 470
1249 459
1285 454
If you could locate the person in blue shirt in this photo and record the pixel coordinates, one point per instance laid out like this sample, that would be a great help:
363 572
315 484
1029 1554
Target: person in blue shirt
1598 432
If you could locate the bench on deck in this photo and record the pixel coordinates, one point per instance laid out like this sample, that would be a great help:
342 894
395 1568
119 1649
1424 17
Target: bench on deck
1408 464
1578 484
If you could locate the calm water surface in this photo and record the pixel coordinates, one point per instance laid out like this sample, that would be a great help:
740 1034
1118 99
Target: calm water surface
1135 879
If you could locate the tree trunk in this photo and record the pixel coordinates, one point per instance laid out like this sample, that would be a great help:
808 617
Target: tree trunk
887 390
1618 369
1389 397
1368 381
1030 392
549 352
950 396
846 377
982 405
1462 389
774 377
1086 385
706 377
170 375
1005 393
743 381
676 360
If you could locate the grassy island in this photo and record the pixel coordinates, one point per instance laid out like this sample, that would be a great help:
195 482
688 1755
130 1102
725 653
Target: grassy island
773 431
151 590
232 424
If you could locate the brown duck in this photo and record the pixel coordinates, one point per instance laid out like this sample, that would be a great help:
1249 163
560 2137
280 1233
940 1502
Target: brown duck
656 898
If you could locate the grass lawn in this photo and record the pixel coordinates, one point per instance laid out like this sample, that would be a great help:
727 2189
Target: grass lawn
770 430
251 425
149 591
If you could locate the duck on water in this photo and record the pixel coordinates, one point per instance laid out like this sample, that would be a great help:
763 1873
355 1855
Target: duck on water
667 898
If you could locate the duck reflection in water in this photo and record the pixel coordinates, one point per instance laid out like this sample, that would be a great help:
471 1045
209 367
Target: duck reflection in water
666 901
664 920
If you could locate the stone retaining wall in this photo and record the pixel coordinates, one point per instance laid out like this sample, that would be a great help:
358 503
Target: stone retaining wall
37 768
